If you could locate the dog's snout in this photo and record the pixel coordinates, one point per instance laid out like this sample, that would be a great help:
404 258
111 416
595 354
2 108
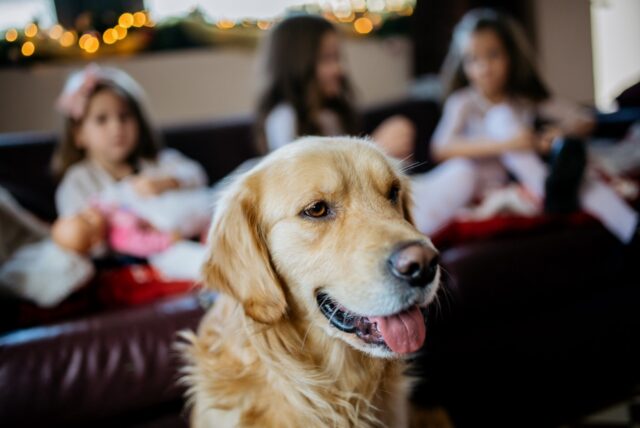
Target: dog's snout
414 263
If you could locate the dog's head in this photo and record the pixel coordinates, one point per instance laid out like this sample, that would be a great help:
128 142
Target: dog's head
320 232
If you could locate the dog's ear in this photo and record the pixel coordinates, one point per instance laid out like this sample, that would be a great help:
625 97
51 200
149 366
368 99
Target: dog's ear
407 200
238 263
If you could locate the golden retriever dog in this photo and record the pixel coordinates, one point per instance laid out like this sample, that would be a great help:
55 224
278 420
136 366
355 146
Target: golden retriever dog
323 280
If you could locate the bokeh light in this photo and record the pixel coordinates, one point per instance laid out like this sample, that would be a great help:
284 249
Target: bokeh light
31 30
11 35
28 48
363 25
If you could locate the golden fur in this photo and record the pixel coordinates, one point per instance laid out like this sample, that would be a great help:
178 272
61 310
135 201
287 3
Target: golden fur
264 355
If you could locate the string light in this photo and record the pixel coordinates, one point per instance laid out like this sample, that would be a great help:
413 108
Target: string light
376 5
83 40
56 31
31 30
126 20
139 19
359 5
92 44
407 11
110 36
68 38
122 32
225 24
364 14
11 35
363 25
28 48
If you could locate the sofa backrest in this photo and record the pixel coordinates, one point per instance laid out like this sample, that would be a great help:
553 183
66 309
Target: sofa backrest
219 146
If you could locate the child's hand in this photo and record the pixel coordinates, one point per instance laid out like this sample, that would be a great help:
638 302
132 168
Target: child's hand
80 232
396 137
153 186
524 140
546 138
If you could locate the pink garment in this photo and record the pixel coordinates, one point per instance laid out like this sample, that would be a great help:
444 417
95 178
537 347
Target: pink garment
129 234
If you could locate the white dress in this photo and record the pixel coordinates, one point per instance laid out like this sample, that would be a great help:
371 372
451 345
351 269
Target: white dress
86 180
467 114
281 125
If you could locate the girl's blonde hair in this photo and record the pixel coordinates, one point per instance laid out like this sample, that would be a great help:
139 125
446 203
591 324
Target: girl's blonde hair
81 86
523 77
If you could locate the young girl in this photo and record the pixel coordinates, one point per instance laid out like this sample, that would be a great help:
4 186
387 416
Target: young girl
487 131
108 140
308 92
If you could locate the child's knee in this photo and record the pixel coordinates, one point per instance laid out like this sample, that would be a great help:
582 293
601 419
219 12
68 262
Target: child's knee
461 170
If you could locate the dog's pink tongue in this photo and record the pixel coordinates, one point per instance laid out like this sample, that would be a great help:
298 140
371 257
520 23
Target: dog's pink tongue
404 332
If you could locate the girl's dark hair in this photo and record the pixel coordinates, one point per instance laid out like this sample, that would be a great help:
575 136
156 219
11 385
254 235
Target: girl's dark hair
291 56
68 153
523 80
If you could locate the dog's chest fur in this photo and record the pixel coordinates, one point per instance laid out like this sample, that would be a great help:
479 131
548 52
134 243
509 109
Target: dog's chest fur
266 379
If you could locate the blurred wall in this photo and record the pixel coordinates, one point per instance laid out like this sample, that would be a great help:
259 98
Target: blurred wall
563 45
195 85
616 48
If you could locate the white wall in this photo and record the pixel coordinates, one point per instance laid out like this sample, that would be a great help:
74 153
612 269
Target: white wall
616 47
198 84
563 41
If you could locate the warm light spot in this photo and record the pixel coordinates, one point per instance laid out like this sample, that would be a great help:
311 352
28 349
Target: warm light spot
82 42
56 31
92 44
375 19
363 25
139 19
11 35
343 13
121 31
375 5
348 18
407 11
31 30
394 5
126 20
28 48
225 24
67 39
359 5
264 25
110 36
150 22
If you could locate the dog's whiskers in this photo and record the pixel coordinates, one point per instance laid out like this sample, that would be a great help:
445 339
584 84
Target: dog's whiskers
406 168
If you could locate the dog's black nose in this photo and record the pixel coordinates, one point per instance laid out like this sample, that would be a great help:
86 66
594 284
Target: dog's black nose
414 263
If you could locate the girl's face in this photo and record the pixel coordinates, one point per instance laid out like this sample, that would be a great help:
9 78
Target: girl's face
329 68
486 63
109 130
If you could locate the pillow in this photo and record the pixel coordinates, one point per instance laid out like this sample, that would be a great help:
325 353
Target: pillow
44 273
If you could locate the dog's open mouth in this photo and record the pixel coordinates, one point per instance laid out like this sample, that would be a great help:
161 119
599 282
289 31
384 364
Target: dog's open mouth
403 332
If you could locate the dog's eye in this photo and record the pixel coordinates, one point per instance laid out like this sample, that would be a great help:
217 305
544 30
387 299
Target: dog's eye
318 209
394 192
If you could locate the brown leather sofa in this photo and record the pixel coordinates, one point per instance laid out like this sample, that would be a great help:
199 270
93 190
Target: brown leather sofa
532 329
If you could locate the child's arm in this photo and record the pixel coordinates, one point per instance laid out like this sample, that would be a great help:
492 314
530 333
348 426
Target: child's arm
173 171
568 118
449 141
482 147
